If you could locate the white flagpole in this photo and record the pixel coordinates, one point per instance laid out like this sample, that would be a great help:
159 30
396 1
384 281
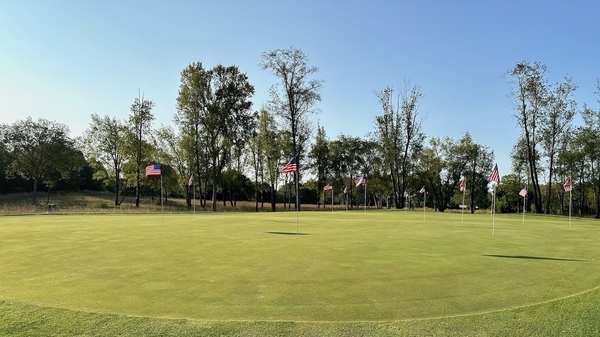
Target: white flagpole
463 204
332 199
194 194
162 207
296 178
524 204
365 206
424 200
494 211
524 198
570 201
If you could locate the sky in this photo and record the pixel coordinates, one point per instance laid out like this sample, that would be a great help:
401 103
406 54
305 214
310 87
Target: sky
64 60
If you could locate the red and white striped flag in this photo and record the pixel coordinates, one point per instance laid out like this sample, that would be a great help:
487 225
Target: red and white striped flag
463 185
292 166
329 187
494 175
361 180
422 190
568 186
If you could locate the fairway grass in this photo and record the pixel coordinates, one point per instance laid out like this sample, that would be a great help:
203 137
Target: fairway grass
282 271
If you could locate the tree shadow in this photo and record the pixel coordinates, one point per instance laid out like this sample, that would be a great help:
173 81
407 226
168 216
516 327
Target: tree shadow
287 233
532 257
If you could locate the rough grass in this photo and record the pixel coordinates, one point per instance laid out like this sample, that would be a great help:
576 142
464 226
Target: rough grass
346 273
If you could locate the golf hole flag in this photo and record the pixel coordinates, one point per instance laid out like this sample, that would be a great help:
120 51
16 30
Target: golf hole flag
568 186
361 180
153 170
523 192
292 166
494 175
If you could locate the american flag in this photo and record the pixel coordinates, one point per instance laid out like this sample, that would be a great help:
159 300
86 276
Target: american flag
523 192
328 187
191 181
292 166
405 194
568 186
345 189
463 185
153 170
422 190
361 180
494 175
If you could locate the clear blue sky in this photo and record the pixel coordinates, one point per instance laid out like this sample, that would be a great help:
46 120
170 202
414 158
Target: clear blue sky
64 60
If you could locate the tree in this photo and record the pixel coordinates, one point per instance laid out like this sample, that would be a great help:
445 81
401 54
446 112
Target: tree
399 135
141 118
173 155
319 156
214 104
556 126
479 164
271 141
444 162
294 100
590 136
529 95
106 141
40 150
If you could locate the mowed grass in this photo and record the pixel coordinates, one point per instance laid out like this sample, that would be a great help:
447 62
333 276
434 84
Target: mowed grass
344 273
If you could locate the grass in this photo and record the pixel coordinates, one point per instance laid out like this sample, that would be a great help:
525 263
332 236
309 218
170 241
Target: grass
347 273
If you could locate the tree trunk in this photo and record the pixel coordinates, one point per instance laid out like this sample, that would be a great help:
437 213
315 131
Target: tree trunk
35 185
117 186
273 198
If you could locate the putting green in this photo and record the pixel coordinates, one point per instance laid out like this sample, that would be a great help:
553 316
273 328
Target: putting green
342 266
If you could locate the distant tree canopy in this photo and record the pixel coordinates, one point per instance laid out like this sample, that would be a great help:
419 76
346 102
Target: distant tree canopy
222 150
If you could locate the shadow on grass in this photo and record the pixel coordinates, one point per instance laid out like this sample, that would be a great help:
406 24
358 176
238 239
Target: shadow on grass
287 233
532 258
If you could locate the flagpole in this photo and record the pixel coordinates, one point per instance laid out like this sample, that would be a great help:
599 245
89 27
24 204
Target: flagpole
162 207
494 211
570 202
332 199
296 176
424 201
365 206
463 205
524 198
194 195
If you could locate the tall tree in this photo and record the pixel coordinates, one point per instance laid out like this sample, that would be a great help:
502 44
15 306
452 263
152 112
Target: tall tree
140 119
590 135
272 144
399 135
319 156
214 104
479 164
555 126
172 154
529 95
38 150
443 163
106 141
294 99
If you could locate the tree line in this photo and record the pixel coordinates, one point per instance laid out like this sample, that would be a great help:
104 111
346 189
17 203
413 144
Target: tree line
220 148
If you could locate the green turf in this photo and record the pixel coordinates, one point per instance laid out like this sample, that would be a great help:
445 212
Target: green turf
343 269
